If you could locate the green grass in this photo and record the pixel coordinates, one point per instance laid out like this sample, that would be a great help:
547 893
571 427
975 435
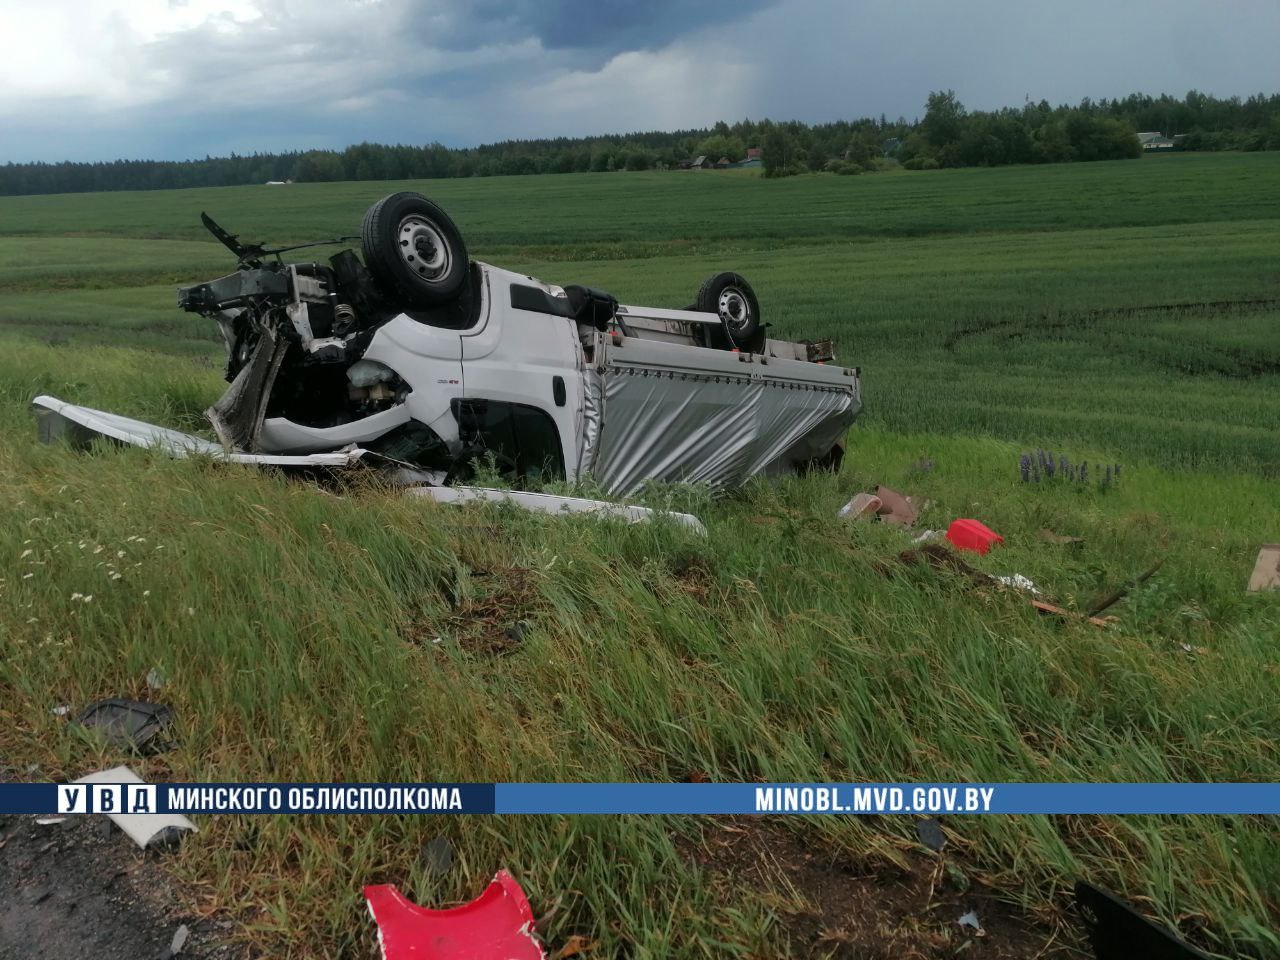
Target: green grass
992 311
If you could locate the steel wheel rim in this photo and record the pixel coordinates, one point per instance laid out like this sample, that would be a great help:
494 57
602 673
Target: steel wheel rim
423 249
734 308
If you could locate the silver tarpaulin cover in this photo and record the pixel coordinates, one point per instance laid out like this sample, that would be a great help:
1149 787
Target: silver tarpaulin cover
695 428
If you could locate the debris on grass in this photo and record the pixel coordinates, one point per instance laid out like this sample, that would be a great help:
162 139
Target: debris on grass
1063 614
898 508
147 830
929 832
862 505
143 727
498 923
973 535
1266 571
1118 932
1019 582
971 921
1119 593
156 679
885 504
437 855
557 505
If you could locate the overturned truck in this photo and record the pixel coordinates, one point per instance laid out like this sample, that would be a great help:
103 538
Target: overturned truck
421 357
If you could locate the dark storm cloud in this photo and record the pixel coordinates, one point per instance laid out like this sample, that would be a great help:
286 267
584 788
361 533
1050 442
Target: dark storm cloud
612 26
107 78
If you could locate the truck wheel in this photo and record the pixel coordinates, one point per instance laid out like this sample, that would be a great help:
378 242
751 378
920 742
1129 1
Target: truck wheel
414 250
731 298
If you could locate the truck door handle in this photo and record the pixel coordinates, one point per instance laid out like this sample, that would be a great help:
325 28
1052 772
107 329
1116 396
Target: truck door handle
558 391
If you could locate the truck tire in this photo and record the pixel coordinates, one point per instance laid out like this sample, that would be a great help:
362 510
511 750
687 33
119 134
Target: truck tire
730 297
414 251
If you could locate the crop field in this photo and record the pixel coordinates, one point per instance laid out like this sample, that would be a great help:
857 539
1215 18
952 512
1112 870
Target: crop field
1117 313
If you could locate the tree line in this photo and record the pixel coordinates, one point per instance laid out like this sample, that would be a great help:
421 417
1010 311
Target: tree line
947 135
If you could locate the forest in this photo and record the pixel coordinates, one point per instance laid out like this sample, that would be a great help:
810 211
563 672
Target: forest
946 135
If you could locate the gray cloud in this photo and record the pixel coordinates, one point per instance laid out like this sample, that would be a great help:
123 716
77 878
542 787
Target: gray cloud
159 79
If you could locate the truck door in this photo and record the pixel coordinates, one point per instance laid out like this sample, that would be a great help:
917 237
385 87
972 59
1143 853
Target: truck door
522 385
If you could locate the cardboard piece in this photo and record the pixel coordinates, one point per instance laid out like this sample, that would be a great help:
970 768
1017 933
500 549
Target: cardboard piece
1266 572
897 508
863 505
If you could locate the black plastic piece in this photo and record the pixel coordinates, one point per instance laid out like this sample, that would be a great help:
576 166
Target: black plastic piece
537 300
144 727
558 391
235 289
592 306
249 254
1118 932
583 304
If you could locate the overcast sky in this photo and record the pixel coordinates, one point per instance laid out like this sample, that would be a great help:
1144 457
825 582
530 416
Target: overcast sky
171 79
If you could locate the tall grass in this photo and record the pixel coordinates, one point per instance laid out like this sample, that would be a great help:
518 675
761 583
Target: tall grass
295 625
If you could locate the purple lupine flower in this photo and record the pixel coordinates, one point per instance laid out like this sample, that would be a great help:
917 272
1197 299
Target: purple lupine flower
1117 471
1049 464
1024 468
1084 472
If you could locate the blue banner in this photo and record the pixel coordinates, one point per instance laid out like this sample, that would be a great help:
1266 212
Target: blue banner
644 798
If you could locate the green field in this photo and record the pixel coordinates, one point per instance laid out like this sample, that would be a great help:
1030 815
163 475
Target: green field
1117 312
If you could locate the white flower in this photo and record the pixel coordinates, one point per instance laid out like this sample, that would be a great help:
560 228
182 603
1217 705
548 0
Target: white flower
119 554
146 593
26 553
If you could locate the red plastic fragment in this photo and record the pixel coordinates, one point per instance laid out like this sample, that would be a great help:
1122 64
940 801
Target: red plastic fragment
972 535
497 925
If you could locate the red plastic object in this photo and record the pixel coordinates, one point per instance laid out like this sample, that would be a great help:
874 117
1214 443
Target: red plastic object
972 535
497 925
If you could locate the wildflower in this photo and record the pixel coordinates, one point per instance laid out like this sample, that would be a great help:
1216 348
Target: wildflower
119 554
27 576
26 553
115 576
1024 467
97 549
146 593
